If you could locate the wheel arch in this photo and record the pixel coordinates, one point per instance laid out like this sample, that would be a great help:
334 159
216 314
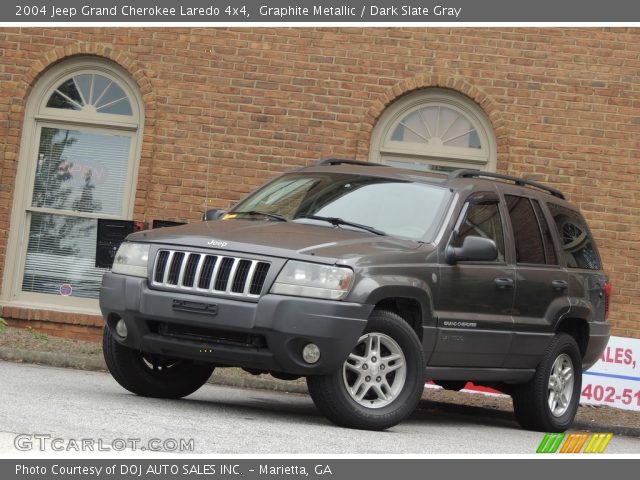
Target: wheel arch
408 308
578 328
412 303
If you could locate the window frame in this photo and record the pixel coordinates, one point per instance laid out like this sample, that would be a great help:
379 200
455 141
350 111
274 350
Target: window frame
479 198
74 116
37 116
382 150
125 210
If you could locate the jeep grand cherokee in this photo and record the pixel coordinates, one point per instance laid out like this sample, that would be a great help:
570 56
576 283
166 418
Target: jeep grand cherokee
368 280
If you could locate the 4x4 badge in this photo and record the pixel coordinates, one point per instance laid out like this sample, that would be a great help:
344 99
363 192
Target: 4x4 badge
217 243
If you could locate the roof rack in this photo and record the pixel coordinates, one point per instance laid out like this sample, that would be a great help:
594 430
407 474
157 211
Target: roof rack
466 173
346 161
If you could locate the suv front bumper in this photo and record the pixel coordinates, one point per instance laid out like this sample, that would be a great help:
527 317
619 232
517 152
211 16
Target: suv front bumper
267 335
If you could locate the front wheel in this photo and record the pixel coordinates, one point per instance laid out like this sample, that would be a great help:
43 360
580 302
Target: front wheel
549 401
152 375
381 381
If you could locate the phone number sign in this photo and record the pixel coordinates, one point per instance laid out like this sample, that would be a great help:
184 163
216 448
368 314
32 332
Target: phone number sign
615 379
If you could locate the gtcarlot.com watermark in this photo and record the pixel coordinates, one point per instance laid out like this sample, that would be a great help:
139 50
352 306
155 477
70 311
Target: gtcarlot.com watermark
27 442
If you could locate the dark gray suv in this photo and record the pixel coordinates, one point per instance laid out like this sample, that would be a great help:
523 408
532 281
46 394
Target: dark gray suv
368 280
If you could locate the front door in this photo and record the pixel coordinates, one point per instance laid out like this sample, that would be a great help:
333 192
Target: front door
475 298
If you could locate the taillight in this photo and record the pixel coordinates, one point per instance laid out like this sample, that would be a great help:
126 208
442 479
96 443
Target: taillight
607 298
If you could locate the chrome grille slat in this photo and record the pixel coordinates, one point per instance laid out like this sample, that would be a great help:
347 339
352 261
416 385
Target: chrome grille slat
232 274
173 278
196 277
188 270
222 274
259 277
183 268
208 269
160 265
167 268
247 283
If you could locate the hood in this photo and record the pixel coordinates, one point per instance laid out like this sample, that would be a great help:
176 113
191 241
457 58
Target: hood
279 239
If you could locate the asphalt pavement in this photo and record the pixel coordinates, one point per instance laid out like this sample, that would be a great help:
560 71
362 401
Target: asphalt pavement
59 409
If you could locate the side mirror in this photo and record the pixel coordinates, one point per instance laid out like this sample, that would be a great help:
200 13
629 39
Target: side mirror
213 214
475 249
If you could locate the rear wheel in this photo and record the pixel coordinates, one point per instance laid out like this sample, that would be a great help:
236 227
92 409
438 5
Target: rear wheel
152 375
381 381
549 401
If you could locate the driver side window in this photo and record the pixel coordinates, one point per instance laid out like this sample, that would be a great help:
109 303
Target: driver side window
483 220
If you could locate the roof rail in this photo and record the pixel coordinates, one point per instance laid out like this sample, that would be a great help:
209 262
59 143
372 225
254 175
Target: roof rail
346 161
466 173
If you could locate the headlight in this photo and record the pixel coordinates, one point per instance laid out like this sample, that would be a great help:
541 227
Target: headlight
131 259
312 280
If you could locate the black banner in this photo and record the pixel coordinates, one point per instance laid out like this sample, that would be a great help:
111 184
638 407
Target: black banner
334 469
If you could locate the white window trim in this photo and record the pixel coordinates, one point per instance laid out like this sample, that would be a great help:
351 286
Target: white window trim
382 149
37 115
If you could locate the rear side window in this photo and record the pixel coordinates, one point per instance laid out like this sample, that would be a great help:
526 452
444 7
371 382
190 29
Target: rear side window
577 243
526 232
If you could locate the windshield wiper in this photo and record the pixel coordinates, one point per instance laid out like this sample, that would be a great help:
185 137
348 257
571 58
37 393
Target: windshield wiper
273 216
336 222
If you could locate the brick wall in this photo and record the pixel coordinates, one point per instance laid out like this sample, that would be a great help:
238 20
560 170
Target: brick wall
226 109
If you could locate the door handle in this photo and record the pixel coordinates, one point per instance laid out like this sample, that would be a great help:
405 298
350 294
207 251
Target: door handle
503 282
559 285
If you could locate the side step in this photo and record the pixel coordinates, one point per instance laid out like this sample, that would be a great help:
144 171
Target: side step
507 375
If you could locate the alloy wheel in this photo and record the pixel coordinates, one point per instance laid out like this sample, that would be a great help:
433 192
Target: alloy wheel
375 371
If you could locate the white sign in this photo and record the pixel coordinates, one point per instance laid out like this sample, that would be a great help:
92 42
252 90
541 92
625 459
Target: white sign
615 379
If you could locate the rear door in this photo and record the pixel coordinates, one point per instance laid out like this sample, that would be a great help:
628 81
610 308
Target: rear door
541 292
475 298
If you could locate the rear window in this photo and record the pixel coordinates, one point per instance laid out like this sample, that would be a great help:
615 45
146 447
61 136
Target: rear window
577 243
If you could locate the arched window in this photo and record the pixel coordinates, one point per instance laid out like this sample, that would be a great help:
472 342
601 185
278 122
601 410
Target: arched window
78 162
434 129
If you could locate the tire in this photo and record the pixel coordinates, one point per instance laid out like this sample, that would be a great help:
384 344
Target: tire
152 375
536 404
362 394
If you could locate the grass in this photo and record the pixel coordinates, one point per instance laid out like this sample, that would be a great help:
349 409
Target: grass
32 339
3 325
89 349
41 337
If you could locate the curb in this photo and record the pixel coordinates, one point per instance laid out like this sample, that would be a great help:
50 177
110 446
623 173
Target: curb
616 430
97 364
52 359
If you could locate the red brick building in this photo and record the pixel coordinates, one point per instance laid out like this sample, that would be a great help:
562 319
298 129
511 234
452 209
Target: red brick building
162 123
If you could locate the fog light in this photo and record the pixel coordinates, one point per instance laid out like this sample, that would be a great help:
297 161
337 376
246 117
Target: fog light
121 328
311 353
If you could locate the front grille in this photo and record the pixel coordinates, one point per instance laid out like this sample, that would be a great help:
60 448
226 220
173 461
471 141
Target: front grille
202 273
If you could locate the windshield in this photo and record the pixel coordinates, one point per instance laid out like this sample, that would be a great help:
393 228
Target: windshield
385 206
